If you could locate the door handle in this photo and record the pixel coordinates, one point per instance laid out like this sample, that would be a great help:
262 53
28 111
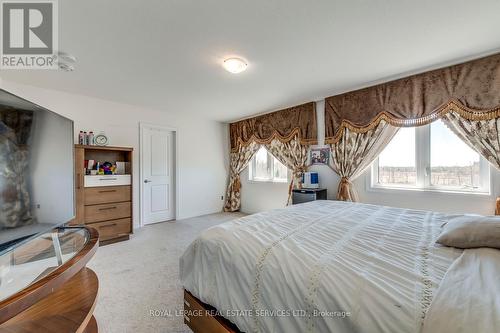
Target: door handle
147 181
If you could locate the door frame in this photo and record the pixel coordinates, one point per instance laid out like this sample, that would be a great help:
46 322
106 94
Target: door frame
143 125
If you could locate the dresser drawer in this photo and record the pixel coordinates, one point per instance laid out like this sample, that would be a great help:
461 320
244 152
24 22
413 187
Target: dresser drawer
305 195
107 180
104 212
100 195
112 229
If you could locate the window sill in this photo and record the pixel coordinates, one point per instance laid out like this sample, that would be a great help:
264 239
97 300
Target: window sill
401 190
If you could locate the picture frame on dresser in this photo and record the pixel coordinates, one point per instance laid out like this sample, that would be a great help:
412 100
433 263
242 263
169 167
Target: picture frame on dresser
104 201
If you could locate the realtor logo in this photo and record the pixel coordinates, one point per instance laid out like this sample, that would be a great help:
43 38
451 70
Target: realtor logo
29 34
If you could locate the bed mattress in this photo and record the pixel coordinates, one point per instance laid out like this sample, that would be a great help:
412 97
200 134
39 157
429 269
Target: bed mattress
323 266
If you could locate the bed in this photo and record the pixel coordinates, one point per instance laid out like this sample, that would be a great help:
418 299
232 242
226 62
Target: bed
325 266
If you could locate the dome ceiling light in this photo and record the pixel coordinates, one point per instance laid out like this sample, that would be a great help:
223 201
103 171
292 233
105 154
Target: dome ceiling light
235 65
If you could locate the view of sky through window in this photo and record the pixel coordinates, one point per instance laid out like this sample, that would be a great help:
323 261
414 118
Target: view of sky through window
451 162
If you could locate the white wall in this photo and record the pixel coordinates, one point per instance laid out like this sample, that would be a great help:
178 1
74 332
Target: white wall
202 143
264 196
260 196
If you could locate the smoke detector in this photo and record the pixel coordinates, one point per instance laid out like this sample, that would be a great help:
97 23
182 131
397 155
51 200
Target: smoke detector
66 61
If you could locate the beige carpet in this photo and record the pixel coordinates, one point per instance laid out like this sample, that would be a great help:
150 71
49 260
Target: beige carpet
141 276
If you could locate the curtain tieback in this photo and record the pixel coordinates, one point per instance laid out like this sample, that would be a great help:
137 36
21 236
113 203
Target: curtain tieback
344 188
297 171
236 184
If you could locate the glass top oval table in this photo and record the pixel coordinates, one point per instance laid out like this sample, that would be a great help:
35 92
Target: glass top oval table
45 286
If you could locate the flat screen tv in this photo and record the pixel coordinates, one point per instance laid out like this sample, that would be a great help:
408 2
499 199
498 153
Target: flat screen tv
36 170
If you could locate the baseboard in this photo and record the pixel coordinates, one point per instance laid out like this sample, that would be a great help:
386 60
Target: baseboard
198 214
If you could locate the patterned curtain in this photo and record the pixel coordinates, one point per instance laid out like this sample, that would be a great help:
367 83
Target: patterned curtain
283 125
293 155
419 99
354 152
238 160
481 135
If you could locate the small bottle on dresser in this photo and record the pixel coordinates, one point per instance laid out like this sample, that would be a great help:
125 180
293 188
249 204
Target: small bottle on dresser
90 138
81 138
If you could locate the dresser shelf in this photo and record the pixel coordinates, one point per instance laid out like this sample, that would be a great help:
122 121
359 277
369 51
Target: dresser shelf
104 202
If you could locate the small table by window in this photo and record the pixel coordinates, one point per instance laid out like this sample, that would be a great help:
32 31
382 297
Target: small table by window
308 194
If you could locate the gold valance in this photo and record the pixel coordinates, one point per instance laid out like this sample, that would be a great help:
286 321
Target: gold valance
283 125
471 89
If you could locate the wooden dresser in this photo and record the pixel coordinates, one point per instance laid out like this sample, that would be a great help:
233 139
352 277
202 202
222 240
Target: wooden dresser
104 202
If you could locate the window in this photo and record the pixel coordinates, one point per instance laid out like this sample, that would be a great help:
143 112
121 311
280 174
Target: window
430 157
397 164
264 167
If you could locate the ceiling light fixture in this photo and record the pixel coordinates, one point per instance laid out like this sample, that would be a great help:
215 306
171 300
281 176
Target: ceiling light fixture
235 65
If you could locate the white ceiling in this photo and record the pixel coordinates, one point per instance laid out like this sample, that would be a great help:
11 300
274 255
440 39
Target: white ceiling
166 54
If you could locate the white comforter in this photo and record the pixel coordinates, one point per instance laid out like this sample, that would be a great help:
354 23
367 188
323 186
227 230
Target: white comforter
468 299
324 266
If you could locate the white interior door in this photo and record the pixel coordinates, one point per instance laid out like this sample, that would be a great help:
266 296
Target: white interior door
158 185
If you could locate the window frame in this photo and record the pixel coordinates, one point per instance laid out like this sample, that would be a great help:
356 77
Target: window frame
270 168
423 165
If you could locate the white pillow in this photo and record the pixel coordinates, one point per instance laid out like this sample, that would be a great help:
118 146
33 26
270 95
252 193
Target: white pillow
471 231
